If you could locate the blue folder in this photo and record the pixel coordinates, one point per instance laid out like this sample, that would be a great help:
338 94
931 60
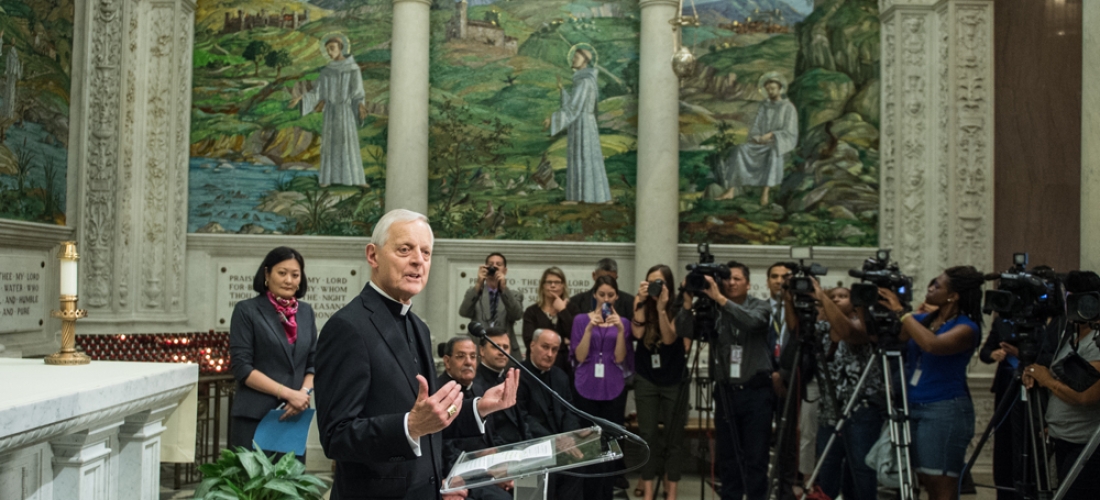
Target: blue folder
284 436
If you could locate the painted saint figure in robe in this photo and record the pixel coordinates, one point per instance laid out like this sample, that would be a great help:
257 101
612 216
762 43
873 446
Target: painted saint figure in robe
340 88
586 177
774 134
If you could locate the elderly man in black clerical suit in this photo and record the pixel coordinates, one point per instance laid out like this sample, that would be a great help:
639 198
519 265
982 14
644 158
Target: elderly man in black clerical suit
460 365
508 427
380 409
544 414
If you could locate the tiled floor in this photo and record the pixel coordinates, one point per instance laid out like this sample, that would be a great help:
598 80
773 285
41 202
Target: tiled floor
689 488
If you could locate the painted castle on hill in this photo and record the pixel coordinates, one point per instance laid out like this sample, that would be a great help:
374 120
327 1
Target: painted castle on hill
461 28
245 22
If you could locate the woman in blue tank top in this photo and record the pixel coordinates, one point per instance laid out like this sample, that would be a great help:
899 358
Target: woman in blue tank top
939 347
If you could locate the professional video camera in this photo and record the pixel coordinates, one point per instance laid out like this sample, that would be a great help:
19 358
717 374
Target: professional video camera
1027 301
879 272
706 310
801 284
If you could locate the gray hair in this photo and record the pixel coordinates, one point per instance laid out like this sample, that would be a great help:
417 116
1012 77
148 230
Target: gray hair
382 228
538 332
607 264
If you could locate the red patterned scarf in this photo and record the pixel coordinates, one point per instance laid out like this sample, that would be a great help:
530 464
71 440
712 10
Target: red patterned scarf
287 309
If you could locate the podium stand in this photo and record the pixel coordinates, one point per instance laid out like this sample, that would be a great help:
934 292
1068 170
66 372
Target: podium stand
529 463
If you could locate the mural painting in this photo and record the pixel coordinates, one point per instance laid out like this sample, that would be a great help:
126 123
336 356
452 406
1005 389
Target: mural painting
35 69
289 116
534 119
779 126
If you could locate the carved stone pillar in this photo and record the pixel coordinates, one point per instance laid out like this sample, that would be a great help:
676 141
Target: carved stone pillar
83 463
139 454
131 119
1090 130
657 217
937 135
407 144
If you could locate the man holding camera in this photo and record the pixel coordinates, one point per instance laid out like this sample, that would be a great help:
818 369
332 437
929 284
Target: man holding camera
741 366
501 307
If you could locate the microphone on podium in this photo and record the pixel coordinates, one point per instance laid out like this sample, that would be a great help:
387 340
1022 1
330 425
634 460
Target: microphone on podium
615 431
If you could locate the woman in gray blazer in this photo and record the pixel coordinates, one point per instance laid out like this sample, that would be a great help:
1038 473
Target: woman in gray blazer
272 345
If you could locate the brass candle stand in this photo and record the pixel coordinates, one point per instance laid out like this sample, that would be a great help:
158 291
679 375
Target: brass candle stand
68 314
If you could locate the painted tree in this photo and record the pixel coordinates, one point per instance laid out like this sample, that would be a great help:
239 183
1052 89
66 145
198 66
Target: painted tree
255 52
277 59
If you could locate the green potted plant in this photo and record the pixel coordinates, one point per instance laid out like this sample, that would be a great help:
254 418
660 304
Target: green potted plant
250 475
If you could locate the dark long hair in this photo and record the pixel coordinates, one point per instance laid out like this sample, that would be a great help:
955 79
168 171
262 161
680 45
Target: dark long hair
967 282
652 324
274 257
605 280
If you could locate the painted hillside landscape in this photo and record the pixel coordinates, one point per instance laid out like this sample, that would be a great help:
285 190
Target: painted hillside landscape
264 116
826 53
499 169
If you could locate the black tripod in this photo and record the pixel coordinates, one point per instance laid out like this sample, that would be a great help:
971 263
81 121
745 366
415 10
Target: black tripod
897 417
1032 480
807 319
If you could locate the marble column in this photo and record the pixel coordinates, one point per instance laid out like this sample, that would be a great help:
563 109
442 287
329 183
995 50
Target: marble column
1090 130
937 135
83 463
657 216
407 144
130 120
139 454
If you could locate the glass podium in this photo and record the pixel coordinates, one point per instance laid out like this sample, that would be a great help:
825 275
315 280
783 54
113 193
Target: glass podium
528 463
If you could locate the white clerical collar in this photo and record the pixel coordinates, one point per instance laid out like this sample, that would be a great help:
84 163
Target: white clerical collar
404 307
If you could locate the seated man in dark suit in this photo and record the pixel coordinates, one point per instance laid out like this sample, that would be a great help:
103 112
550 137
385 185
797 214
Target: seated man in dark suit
459 364
544 414
380 409
508 427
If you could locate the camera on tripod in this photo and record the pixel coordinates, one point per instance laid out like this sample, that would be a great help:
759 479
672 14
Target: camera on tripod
1026 300
705 309
801 283
880 272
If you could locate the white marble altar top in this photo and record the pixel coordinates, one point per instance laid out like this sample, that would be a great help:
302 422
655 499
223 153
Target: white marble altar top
36 394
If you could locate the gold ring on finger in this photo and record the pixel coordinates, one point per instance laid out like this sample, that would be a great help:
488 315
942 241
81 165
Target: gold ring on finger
451 410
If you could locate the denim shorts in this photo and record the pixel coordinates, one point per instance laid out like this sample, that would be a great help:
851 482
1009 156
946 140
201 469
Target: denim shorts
941 432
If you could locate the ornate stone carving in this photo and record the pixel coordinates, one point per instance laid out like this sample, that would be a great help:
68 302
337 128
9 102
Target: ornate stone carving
974 162
102 153
914 128
936 164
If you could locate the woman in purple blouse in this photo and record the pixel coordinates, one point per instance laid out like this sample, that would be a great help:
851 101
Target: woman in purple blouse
600 347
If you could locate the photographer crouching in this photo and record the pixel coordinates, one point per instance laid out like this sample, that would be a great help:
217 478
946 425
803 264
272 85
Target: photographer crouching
740 365
1073 414
939 347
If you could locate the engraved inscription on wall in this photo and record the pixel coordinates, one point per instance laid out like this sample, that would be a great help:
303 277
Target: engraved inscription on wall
21 293
330 288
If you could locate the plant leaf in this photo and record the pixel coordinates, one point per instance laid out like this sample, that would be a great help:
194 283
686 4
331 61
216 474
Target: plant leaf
205 486
255 483
283 486
211 470
264 460
250 462
223 495
314 480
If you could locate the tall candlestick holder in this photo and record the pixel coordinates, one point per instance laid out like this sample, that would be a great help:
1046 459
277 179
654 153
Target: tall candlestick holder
68 313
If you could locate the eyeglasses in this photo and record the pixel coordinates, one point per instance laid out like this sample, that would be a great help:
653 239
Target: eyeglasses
553 282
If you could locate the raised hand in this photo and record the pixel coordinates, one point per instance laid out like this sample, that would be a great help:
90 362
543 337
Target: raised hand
500 396
431 414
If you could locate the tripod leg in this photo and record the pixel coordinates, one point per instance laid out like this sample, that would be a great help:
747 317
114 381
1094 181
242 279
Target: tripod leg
775 475
899 426
856 395
1085 455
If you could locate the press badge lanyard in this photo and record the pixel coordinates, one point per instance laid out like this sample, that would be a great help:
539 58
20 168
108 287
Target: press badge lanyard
599 363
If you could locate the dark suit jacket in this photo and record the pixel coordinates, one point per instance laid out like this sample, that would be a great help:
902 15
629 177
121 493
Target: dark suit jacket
257 341
508 426
365 384
454 443
545 416
509 310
